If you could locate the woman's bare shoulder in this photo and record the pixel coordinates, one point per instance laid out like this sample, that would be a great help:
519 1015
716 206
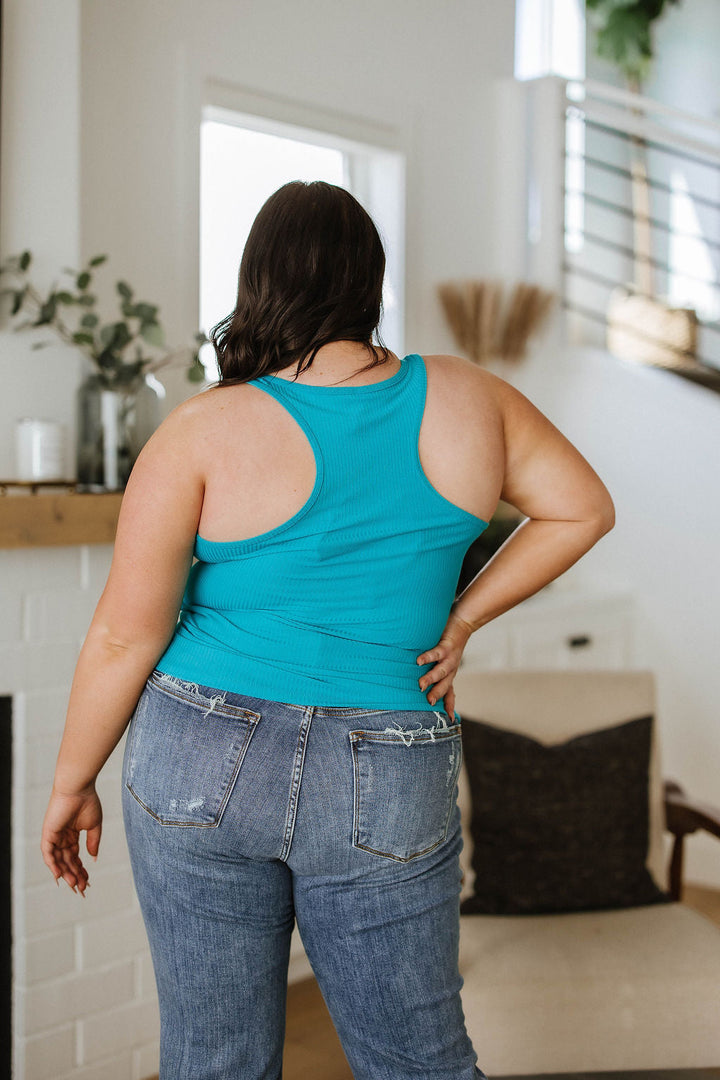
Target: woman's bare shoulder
214 404
463 376
193 423
461 369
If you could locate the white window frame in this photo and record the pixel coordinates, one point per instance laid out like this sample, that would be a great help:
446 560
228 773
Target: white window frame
375 171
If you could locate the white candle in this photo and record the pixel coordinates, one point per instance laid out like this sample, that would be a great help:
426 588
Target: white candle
39 449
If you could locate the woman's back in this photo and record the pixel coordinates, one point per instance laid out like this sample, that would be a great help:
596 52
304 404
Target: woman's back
259 466
325 549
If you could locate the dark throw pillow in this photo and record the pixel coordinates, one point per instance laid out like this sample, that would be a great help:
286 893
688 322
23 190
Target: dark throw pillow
558 828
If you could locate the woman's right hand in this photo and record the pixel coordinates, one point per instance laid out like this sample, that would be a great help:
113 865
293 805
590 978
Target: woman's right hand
67 815
447 655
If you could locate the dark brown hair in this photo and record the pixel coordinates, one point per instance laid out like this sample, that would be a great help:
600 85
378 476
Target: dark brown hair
311 273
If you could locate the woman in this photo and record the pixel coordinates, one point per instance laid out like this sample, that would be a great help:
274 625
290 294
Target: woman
293 748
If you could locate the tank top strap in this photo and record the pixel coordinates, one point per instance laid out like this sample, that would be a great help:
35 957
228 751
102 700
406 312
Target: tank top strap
330 415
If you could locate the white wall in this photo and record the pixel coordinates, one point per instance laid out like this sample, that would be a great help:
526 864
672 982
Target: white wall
39 201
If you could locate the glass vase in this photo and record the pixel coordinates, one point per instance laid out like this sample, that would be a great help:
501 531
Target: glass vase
113 425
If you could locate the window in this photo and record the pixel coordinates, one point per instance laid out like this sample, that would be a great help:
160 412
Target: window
244 159
549 38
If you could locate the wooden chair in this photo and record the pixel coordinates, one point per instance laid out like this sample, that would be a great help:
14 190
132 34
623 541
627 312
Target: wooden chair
630 988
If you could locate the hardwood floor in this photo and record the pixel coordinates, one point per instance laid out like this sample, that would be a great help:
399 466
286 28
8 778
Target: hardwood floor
704 900
313 1050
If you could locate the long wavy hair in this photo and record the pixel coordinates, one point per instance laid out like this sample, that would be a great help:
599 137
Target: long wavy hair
311 273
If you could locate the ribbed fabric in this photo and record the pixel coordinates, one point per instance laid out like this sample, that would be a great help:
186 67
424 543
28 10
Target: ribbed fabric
333 606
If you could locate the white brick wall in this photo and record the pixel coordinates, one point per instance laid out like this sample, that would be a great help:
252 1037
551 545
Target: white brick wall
84 1002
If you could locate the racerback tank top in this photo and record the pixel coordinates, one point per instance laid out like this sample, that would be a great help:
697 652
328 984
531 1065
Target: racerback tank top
334 605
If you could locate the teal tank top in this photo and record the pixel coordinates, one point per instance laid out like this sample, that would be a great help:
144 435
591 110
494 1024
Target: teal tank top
333 606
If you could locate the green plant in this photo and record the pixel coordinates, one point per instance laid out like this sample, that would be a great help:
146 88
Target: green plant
624 34
108 345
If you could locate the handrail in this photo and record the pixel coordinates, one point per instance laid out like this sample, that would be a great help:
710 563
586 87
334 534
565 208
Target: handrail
604 91
646 129
594 263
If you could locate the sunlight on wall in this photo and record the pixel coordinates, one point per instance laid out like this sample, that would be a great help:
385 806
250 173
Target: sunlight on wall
689 256
549 38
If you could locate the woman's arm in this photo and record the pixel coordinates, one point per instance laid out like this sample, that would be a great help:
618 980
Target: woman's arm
132 625
567 505
568 510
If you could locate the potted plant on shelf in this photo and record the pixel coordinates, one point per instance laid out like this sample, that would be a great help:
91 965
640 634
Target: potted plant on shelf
118 400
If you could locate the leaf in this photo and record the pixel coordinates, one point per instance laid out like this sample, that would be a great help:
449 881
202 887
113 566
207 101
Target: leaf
40 344
83 280
97 260
623 33
196 371
82 339
18 301
65 298
153 333
47 312
122 335
124 289
87 299
25 260
89 320
108 361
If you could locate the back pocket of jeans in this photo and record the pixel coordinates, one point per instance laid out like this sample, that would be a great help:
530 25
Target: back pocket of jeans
404 790
184 754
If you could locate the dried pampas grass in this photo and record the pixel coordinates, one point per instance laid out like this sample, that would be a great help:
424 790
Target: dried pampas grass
484 327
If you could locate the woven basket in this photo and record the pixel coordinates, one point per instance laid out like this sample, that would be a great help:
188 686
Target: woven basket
646 331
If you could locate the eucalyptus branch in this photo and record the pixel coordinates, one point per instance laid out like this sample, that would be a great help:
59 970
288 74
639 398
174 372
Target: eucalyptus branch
106 345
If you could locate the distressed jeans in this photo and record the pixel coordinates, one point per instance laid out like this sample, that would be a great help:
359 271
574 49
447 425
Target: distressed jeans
244 815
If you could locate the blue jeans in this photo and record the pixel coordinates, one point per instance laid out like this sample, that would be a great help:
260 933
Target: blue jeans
243 815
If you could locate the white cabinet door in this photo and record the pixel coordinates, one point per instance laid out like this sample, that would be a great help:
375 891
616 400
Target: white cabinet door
592 640
557 629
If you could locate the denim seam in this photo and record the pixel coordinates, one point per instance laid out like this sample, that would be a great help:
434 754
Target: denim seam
299 760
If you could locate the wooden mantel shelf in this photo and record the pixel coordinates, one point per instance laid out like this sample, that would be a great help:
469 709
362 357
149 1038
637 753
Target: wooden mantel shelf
47 520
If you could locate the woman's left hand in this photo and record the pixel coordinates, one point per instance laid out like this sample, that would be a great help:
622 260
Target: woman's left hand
66 816
447 655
